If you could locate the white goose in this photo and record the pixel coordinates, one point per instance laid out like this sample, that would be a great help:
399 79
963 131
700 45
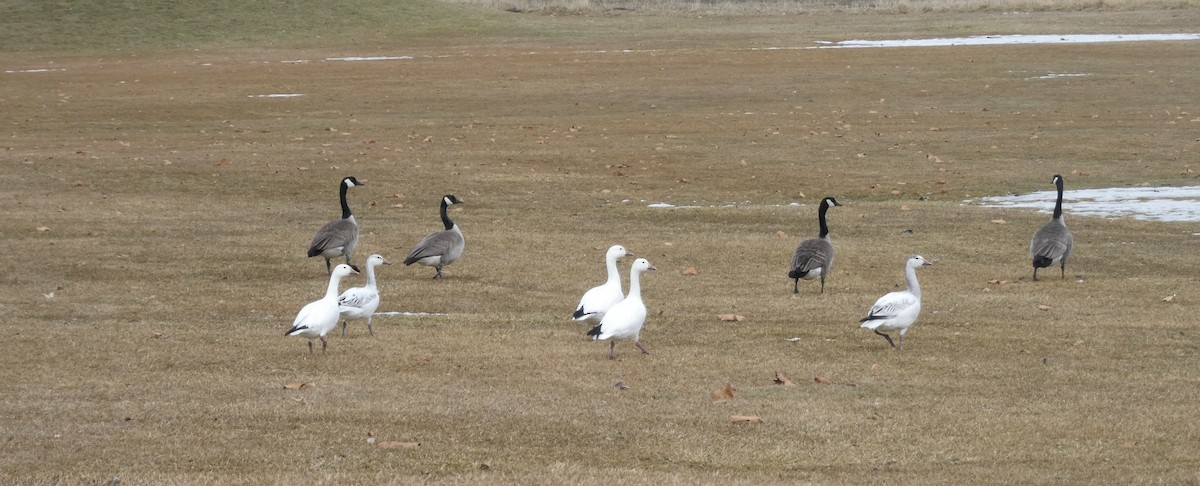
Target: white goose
599 299
319 317
898 310
624 320
360 302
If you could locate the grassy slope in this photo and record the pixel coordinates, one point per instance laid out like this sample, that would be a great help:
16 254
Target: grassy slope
160 358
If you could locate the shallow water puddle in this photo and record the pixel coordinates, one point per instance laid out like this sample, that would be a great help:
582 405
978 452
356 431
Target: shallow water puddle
1172 204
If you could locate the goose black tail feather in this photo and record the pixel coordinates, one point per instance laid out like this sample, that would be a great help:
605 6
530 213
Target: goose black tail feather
1041 261
797 274
595 331
578 313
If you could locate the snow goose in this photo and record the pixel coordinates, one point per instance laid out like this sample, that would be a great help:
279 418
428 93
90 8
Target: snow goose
1052 243
319 317
814 256
898 310
624 320
360 302
442 248
598 299
338 237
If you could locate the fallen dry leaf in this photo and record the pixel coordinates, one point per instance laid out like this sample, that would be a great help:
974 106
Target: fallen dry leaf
1079 343
999 221
392 444
43 229
723 394
299 386
782 380
875 367
997 282
1044 307
300 401
370 438
905 208
1169 298
620 385
745 419
781 234
690 271
731 317
822 380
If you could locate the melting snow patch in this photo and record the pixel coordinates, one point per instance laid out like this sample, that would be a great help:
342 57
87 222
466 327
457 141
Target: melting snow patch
372 58
276 95
660 205
409 314
992 40
38 70
1177 204
1059 75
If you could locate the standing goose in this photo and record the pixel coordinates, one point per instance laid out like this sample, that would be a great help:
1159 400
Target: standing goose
340 236
1052 243
320 316
624 320
898 310
442 248
814 256
599 299
360 302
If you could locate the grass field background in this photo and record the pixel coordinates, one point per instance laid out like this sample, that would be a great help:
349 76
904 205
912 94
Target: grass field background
158 206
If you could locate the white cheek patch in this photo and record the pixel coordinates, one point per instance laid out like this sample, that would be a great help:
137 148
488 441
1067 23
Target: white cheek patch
447 200
349 183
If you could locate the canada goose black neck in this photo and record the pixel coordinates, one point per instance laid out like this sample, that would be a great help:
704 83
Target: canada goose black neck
345 186
446 221
825 203
1058 183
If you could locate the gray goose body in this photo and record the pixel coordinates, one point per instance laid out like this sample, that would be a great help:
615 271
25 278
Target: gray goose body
442 248
814 257
1052 242
339 237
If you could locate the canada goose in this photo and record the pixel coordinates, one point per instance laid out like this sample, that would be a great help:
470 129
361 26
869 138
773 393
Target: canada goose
442 248
599 299
624 320
320 316
898 310
814 256
360 302
1052 243
340 236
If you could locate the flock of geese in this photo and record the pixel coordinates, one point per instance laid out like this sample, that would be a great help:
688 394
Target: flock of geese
614 314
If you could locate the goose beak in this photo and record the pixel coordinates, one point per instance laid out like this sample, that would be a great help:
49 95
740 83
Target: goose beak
385 262
652 267
927 263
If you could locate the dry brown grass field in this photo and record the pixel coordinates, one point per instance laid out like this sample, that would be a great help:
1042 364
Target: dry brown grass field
157 208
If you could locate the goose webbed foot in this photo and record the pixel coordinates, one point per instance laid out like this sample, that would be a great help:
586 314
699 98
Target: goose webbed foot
324 344
640 347
612 350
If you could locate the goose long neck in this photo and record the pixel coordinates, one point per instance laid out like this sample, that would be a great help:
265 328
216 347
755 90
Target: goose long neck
342 196
910 279
821 218
1058 203
371 276
635 284
332 291
614 275
446 216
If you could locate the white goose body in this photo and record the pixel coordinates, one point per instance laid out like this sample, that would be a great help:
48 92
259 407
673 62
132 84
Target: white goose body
599 299
361 302
625 319
897 311
316 319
